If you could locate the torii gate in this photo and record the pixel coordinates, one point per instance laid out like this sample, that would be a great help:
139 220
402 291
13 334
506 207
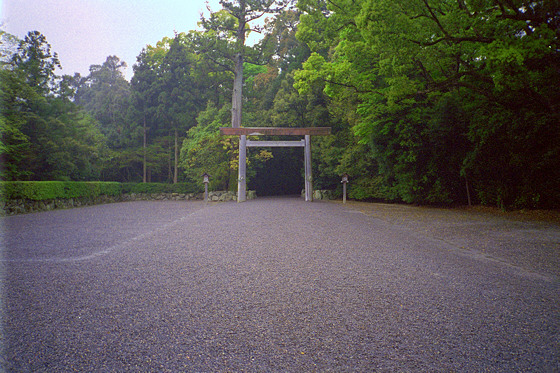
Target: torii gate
243 132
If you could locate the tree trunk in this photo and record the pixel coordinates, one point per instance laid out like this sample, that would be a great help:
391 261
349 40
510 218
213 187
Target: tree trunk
237 96
144 168
175 171
169 158
468 191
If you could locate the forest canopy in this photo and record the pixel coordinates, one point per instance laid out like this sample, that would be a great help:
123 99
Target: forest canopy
430 102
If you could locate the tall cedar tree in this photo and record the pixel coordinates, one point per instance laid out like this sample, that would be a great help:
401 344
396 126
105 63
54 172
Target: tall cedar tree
227 36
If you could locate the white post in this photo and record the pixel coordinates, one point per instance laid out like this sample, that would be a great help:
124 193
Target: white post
242 180
308 171
344 182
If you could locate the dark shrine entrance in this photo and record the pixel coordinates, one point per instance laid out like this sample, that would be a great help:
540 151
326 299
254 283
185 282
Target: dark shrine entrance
281 175
305 143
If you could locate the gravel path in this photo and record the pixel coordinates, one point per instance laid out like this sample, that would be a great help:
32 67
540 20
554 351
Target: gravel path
278 285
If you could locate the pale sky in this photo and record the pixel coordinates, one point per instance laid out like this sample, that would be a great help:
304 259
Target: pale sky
85 32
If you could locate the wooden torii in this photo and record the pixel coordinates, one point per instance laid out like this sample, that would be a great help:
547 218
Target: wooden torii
243 132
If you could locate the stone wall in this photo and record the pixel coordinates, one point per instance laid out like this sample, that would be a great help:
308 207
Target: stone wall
20 206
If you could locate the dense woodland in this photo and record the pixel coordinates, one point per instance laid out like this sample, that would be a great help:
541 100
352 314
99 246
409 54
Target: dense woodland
430 102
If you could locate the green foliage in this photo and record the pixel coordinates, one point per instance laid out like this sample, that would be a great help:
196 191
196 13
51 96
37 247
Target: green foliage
205 151
170 86
35 63
109 188
448 94
429 101
160 188
14 143
43 135
105 94
46 190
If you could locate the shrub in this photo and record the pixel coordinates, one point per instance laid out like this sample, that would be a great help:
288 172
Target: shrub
45 190
110 188
158 188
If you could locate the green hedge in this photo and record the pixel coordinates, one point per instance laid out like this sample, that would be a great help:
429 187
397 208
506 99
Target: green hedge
45 190
159 188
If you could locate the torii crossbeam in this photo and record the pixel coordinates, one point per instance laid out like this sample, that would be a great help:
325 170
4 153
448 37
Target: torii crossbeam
243 132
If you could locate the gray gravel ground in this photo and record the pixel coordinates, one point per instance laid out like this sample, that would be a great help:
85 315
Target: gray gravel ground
278 285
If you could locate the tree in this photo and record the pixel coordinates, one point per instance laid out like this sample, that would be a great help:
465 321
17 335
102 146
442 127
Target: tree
15 146
438 85
8 47
105 94
35 61
227 32
179 96
143 101
171 85
44 135
204 150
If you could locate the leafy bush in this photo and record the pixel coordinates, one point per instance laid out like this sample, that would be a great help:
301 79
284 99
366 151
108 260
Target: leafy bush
159 188
45 190
110 188
366 188
33 190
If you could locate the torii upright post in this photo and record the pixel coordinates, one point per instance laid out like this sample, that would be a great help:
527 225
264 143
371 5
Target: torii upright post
242 178
308 172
